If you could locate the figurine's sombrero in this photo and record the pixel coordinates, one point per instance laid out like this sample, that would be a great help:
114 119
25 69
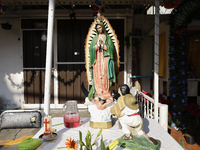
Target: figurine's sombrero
91 34
131 102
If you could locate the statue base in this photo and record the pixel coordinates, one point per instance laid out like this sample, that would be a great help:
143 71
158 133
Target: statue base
101 125
99 118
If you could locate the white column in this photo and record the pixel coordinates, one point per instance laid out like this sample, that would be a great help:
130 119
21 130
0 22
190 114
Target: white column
47 90
129 62
128 54
156 59
55 68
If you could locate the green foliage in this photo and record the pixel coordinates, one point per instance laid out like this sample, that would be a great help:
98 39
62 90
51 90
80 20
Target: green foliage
80 138
103 147
180 141
178 61
88 140
177 69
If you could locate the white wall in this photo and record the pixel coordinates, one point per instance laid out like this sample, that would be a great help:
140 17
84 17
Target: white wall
146 62
11 69
146 24
164 28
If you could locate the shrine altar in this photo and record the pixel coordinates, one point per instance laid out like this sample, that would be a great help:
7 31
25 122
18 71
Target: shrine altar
151 128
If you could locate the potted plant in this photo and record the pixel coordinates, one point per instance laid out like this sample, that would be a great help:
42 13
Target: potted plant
191 120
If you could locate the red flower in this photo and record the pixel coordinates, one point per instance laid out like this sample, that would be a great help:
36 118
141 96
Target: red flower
146 93
192 109
71 144
169 115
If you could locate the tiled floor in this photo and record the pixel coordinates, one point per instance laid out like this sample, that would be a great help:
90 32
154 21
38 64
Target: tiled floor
178 134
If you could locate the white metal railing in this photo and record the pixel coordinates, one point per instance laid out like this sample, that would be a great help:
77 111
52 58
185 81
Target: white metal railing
147 109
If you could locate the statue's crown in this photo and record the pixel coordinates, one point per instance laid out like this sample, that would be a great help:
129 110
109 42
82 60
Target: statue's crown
99 18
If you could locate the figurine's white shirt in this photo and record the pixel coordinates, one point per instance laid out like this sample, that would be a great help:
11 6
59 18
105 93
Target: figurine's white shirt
131 121
128 111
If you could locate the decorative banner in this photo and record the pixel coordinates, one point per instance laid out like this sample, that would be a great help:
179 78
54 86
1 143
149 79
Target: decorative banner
98 3
186 9
171 3
98 7
2 8
102 9
95 8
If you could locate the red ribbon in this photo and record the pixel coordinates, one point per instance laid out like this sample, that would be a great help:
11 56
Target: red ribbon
133 114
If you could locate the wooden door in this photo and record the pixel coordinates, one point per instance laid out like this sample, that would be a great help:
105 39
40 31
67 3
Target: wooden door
34 57
71 35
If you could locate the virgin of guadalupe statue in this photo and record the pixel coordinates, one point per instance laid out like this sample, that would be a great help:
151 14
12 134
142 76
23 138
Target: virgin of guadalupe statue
102 62
102 66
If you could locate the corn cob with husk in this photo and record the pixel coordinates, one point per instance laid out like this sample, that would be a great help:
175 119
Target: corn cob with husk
112 144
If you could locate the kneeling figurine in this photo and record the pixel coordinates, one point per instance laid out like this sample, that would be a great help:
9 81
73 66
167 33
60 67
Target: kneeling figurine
127 111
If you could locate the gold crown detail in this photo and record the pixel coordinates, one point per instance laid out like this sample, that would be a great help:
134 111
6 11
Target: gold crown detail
99 18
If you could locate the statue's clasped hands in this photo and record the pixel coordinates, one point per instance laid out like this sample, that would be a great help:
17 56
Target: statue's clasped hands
101 106
100 45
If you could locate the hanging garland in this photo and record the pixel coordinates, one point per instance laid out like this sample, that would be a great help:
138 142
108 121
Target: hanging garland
180 17
98 8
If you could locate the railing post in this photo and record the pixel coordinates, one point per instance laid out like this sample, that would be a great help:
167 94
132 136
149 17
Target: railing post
163 120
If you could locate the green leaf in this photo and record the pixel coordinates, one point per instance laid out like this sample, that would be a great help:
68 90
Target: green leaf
80 135
107 148
87 141
181 142
102 144
80 138
61 147
57 124
90 138
81 143
99 133
88 133
90 95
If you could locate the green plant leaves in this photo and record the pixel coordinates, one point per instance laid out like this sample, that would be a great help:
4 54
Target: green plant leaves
81 142
102 144
88 140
